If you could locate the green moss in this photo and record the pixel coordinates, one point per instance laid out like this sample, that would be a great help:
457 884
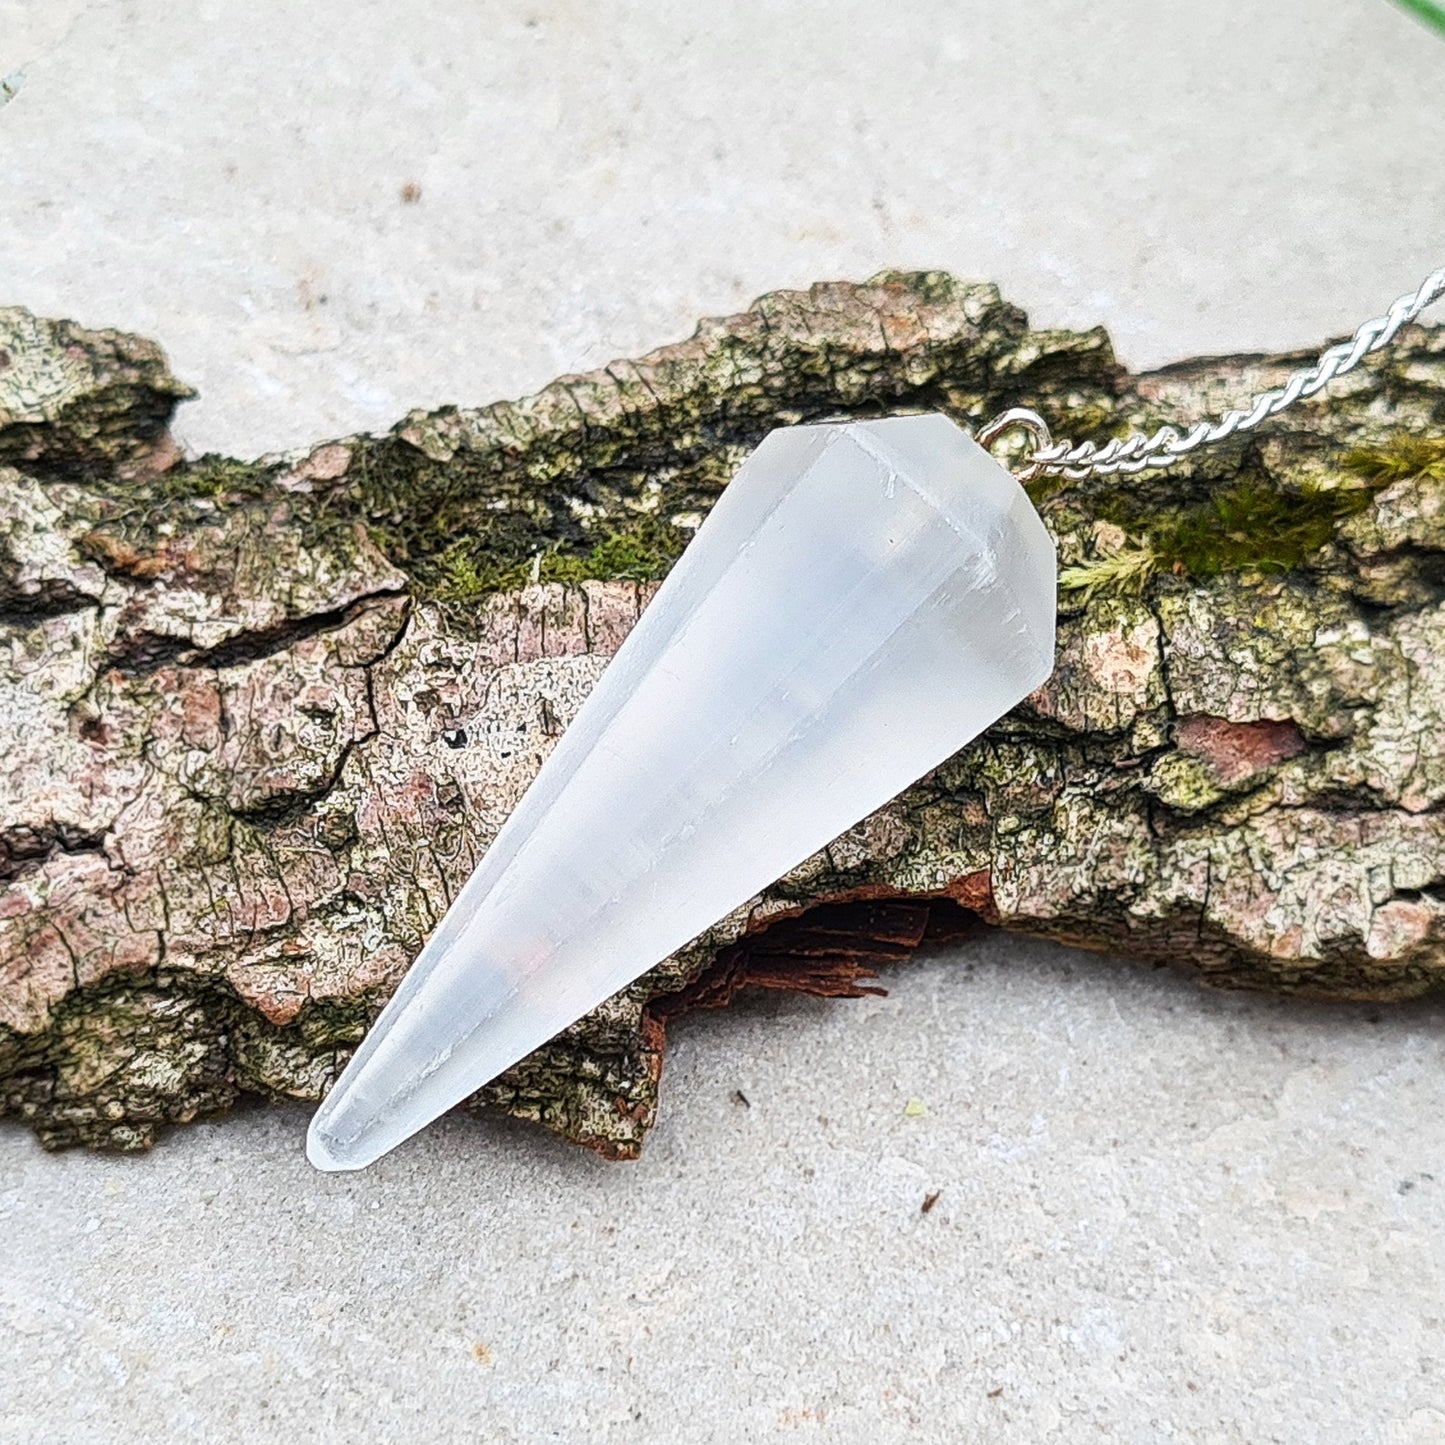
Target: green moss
1122 570
1403 458
464 572
1252 526
470 568
218 477
1259 527
642 553
213 477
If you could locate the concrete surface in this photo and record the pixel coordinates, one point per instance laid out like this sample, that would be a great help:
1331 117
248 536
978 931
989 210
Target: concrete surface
1163 1215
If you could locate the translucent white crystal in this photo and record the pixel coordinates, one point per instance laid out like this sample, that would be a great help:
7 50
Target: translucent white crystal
862 601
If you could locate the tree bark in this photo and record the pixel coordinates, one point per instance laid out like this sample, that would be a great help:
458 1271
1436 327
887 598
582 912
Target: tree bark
259 720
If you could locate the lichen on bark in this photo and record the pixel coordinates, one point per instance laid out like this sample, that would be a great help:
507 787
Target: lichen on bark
260 719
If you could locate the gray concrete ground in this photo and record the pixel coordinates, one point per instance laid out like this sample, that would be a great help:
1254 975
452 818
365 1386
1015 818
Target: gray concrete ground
1162 1215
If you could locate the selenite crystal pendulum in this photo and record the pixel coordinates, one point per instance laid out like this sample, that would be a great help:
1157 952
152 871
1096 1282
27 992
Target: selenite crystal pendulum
863 600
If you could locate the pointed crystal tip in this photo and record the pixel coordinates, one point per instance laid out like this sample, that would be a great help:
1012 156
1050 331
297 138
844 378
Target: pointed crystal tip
325 1151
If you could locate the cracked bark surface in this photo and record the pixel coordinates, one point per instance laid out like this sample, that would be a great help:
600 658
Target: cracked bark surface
259 720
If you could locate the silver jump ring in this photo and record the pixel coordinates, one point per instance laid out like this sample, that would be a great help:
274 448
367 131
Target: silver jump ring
1019 418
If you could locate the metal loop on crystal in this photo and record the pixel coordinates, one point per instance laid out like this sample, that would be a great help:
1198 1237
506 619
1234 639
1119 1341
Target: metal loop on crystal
1019 418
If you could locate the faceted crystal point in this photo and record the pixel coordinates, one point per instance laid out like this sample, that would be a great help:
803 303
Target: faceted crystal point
862 601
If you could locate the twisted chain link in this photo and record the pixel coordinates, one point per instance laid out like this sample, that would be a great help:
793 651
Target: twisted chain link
1167 445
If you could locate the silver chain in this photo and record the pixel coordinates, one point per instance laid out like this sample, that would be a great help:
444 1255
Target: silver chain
1166 446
